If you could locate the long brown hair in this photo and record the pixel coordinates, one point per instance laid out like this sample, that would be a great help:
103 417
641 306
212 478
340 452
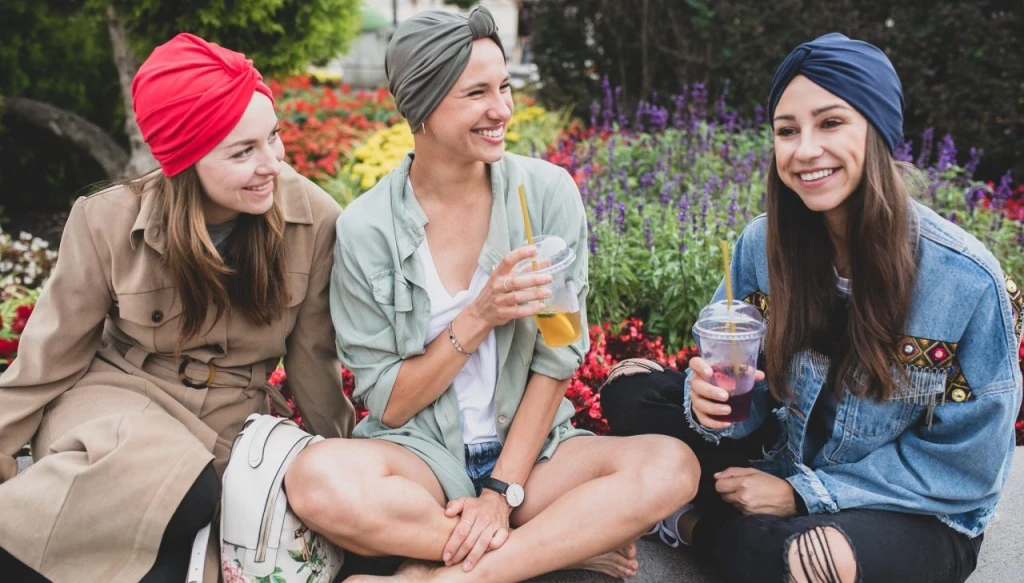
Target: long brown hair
248 277
802 282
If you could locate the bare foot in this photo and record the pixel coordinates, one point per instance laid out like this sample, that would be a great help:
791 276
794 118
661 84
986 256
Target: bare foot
620 564
409 572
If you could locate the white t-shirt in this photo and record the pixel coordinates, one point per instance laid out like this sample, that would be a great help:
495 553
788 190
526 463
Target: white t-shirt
476 382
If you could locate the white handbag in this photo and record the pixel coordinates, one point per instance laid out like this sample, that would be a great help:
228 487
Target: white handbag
262 541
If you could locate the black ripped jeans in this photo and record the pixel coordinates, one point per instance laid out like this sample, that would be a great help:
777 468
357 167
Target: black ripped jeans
889 546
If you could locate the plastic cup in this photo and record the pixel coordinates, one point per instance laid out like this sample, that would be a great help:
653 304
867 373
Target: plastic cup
559 323
729 338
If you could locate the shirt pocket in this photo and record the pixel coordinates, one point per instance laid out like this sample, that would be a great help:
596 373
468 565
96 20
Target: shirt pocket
916 388
391 291
152 317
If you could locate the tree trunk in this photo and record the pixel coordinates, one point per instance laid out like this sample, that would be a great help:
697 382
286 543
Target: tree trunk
141 159
83 133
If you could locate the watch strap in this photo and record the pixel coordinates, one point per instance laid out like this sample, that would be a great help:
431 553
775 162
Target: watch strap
496 485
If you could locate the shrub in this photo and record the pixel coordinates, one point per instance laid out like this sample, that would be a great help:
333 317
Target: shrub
960 62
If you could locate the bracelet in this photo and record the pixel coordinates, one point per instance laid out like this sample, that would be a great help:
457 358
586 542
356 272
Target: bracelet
455 341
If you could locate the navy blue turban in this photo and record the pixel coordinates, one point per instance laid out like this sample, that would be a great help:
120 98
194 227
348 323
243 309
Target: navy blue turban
857 72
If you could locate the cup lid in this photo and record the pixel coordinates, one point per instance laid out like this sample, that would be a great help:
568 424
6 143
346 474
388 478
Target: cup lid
553 255
747 320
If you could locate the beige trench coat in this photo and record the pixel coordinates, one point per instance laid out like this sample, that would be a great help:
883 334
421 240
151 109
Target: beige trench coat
118 438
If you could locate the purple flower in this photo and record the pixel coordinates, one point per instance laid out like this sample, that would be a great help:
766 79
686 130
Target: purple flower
595 109
699 98
926 147
659 117
620 220
759 119
1004 191
973 196
904 152
733 205
646 179
683 208
947 153
607 115
679 115
972 162
593 243
720 104
647 233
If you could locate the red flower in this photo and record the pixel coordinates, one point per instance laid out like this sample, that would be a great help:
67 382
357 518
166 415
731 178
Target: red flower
9 347
21 316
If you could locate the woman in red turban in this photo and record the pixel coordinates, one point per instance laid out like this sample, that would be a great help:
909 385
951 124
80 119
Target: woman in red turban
174 297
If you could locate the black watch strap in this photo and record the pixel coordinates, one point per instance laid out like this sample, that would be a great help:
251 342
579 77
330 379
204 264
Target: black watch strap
496 485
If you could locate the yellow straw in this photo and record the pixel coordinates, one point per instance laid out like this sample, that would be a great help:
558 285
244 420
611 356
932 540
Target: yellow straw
526 221
728 307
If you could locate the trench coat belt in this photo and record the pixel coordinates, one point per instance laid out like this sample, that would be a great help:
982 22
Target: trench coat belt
201 376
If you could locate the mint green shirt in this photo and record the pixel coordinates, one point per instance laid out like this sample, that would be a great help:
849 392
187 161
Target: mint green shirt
381 309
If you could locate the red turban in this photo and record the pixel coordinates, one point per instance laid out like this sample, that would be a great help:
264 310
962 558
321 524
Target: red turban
188 96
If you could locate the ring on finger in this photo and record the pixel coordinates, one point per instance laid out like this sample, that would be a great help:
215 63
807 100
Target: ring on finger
504 285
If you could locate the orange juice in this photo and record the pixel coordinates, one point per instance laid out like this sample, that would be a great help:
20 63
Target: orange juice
560 328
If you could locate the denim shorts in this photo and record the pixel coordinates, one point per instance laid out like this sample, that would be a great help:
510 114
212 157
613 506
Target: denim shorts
480 460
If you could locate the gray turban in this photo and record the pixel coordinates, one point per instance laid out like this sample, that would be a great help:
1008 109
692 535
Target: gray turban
428 53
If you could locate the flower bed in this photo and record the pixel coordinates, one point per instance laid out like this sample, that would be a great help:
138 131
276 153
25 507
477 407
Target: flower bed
322 121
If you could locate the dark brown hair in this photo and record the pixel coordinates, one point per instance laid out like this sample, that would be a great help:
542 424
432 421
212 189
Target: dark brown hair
249 277
882 274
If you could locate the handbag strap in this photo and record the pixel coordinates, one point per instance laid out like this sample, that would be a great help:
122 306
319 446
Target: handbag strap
197 562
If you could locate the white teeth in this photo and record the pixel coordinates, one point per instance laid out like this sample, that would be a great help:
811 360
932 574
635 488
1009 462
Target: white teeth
498 133
809 176
260 188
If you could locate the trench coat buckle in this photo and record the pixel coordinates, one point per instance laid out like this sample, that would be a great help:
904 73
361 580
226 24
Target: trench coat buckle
185 380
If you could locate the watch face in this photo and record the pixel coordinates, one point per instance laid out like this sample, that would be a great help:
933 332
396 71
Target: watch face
515 495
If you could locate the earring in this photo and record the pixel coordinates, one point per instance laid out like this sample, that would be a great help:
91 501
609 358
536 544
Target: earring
423 126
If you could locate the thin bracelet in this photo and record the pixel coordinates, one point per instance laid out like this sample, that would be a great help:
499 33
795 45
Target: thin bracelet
455 341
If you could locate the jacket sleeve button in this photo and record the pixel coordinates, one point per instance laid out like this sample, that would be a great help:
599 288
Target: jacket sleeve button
502 419
156 316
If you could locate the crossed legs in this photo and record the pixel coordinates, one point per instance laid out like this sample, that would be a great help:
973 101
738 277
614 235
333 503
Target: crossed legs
594 496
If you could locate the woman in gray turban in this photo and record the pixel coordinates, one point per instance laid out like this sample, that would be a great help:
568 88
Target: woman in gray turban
465 398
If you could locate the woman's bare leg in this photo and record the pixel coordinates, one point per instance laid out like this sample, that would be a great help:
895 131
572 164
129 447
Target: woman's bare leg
371 497
596 495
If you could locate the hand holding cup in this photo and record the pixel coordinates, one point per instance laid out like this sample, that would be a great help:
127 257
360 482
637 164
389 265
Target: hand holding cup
707 400
508 296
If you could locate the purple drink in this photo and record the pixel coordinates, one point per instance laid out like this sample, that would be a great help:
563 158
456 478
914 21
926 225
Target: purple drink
740 389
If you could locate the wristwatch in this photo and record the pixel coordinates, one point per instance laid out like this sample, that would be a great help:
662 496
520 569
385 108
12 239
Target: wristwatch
513 493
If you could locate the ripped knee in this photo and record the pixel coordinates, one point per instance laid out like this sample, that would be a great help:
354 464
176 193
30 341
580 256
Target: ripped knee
822 554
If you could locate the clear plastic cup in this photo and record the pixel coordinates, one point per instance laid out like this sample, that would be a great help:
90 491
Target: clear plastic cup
729 337
559 323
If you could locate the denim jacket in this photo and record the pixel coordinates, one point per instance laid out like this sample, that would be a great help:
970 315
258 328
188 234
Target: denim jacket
943 444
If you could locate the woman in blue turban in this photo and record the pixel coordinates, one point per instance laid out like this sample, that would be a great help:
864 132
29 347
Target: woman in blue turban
880 438
469 432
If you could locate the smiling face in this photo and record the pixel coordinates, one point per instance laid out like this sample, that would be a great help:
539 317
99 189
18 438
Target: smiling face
469 124
238 174
820 141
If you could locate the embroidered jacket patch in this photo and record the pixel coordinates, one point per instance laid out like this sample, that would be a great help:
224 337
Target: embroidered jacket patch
1017 305
760 301
935 354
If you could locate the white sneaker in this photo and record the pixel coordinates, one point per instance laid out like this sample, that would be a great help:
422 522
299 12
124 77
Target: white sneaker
668 529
